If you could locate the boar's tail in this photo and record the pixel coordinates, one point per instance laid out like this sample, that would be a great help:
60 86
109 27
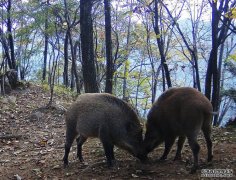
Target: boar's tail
214 113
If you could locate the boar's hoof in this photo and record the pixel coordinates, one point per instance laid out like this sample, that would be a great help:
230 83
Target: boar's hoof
177 158
65 163
209 159
193 169
111 164
81 159
162 158
65 166
144 160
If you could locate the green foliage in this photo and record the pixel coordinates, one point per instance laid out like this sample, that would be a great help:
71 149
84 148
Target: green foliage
45 86
62 90
59 89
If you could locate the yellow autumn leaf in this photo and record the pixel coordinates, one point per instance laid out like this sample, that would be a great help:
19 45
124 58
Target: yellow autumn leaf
158 36
231 13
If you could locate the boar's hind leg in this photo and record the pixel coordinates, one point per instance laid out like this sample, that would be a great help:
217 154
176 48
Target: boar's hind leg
80 141
195 149
108 147
180 144
109 152
70 136
207 134
169 141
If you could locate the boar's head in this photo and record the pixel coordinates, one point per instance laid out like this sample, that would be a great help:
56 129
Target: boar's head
134 141
152 138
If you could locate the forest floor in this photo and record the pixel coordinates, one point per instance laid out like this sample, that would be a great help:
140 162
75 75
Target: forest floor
32 146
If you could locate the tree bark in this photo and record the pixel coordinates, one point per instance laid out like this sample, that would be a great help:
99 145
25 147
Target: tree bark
160 44
87 47
46 38
66 60
219 34
109 65
6 49
10 37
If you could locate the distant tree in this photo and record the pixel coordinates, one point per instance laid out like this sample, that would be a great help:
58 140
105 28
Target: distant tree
71 23
155 65
126 54
160 43
190 43
221 28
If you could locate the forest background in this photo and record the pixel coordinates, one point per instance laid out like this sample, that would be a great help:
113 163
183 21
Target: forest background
134 49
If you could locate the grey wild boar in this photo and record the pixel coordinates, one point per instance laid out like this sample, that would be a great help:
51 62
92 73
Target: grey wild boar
179 112
108 118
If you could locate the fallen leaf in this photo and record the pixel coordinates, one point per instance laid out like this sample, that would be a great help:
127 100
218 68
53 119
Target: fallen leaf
56 167
17 177
134 175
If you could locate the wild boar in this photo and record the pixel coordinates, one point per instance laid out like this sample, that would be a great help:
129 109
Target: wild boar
108 118
179 112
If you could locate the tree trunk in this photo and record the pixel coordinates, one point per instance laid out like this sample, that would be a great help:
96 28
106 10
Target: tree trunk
77 80
109 66
74 72
45 53
219 34
86 29
10 38
126 63
6 49
66 60
161 46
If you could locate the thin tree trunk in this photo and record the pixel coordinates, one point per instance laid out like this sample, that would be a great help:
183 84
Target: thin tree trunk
212 72
46 38
109 65
66 60
77 80
126 70
160 44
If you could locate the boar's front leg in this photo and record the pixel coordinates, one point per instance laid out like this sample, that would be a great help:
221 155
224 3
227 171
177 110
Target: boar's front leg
80 141
169 141
108 146
180 144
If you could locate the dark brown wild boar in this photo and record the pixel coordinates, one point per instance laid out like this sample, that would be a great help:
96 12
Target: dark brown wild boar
104 116
179 112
